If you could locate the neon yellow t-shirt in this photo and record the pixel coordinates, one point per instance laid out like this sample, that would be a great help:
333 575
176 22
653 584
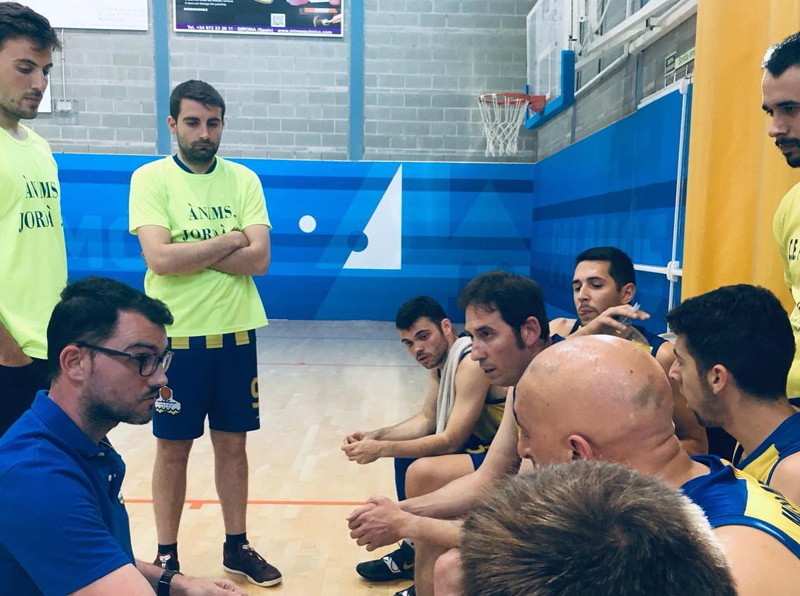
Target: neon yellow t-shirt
33 257
786 228
194 207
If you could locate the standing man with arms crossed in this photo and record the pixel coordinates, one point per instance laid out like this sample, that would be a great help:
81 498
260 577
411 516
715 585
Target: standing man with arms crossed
733 352
780 90
203 226
33 258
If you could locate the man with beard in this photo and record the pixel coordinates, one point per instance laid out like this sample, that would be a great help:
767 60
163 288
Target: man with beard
780 90
507 320
733 352
445 440
204 230
603 398
64 528
33 257
603 288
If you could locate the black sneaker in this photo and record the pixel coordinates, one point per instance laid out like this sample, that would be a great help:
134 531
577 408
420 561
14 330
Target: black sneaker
247 562
409 591
168 561
396 565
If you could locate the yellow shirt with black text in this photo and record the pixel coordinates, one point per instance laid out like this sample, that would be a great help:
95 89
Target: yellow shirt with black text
196 207
33 256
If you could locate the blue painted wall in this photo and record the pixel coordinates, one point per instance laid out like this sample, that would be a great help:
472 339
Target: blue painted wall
615 188
458 220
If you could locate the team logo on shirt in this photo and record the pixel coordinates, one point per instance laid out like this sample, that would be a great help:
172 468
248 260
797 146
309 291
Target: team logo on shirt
166 404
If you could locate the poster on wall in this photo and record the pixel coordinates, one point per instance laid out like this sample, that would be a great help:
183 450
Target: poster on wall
317 18
127 15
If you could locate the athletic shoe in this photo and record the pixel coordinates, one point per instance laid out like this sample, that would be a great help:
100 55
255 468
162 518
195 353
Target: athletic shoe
168 561
409 591
247 562
396 565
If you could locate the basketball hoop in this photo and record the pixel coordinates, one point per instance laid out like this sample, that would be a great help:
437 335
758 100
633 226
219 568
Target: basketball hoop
502 115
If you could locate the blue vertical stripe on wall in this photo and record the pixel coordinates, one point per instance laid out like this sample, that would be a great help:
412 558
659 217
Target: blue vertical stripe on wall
356 142
161 41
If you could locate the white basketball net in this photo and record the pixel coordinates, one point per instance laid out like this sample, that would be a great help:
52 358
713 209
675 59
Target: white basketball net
502 117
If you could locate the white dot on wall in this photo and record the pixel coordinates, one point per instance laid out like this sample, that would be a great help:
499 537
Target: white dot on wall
307 224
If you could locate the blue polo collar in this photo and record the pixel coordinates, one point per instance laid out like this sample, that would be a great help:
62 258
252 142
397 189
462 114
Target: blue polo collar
62 426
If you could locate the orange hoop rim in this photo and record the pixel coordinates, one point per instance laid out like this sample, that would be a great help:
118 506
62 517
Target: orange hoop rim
535 102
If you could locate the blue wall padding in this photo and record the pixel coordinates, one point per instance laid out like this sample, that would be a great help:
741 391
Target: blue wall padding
458 220
617 188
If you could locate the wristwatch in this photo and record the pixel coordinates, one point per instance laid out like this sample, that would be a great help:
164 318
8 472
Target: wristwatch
164 582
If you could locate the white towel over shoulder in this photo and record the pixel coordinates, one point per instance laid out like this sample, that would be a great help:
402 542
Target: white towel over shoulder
447 384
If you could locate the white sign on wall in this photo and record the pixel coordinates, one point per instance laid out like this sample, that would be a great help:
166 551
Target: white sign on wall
128 15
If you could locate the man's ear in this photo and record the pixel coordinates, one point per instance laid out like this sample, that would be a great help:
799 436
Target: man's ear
581 449
627 292
75 363
173 125
718 378
447 326
530 331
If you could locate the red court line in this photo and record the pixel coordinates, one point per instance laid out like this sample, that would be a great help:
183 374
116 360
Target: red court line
198 503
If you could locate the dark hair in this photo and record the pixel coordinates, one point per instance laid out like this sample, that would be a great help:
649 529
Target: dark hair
18 21
199 91
782 55
421 306
620 266
590 527
745 329
516 298
88 312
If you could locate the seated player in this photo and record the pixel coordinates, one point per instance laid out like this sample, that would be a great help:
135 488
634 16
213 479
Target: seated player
460 417
591 527
623 413
734 349
65 529
506 317
603 287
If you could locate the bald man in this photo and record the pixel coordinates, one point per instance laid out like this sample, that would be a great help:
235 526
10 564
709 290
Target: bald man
625 415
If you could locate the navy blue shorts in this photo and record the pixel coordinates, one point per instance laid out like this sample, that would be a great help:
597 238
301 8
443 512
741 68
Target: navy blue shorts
214 376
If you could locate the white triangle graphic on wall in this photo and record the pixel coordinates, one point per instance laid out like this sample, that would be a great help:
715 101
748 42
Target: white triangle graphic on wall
384 232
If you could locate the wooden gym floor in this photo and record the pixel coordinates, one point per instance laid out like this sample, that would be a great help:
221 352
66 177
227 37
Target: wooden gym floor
318 381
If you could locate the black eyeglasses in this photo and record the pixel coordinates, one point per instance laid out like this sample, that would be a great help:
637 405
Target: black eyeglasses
148 363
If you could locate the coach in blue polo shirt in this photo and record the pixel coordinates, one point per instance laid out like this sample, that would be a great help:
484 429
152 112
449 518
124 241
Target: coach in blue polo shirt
63 525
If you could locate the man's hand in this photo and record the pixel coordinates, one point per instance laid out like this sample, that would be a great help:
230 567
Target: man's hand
362 451
359 435
378 523
607 324
189 586
237 238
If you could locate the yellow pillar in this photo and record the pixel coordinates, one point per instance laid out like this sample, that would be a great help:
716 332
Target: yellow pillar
736 175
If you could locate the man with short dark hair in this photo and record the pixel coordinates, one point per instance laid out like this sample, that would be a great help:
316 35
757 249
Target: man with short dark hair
448 438
733 352
507 320
591 527
203 225
31 231
780 92
603 288
621 412
64 527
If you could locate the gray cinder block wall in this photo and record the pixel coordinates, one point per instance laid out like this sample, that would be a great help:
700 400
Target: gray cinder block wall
288 98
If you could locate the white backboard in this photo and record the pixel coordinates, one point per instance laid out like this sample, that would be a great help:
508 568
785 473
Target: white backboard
549 23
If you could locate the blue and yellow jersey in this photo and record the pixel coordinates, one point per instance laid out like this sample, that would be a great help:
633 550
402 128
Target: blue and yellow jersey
730 497
783 442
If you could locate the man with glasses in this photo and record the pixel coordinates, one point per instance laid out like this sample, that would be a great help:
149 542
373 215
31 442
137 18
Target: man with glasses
64 527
